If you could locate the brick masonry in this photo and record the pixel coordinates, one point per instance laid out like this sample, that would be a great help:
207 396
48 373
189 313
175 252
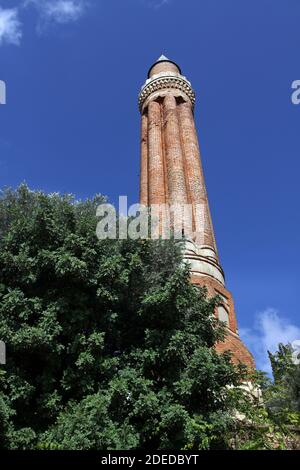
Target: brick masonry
232 341
171 172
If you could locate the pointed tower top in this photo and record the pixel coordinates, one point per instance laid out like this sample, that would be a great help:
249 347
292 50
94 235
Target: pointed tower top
163 58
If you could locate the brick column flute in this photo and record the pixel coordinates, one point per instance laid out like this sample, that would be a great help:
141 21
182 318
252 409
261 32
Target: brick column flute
144 161
156 185
173 151
171 173
194 174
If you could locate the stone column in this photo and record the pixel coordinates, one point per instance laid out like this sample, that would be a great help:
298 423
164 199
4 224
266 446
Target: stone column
144 161
156 186
194 175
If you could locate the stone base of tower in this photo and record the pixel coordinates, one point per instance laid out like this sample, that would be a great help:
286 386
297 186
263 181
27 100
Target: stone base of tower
226 313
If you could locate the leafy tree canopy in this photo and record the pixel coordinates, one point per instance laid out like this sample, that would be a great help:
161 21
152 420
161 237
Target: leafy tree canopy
109 346
284 402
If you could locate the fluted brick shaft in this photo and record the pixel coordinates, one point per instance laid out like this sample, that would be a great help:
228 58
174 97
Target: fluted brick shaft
156 186
144 161
194 174
172 175
173 150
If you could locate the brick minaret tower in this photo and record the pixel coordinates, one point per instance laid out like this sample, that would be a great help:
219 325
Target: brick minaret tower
171 173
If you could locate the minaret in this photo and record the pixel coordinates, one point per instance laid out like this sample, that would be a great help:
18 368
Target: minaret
171 173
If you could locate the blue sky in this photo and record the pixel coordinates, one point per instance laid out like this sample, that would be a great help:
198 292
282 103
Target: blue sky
73 70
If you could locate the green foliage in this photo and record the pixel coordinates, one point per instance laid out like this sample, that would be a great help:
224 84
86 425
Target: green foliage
109 346
284 396
269 417
281 362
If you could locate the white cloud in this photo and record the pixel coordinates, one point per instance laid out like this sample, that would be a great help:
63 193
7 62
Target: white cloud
10 26
156 3
49 12
268 331
59 11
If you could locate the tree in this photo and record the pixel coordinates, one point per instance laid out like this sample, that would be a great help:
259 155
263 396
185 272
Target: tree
271 418
285 399
109 346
